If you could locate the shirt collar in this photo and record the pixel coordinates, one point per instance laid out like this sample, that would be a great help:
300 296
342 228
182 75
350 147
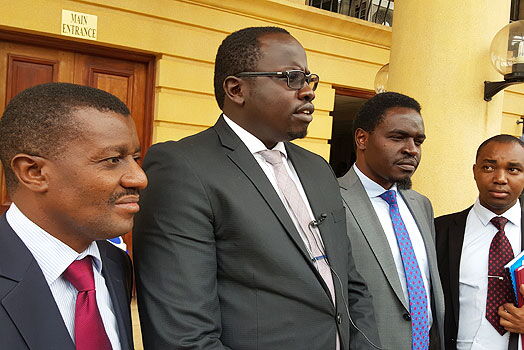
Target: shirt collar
485 215
52 255
251 141
372 188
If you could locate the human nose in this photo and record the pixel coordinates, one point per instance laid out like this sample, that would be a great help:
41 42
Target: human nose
134 177
499 177
411 147
306 93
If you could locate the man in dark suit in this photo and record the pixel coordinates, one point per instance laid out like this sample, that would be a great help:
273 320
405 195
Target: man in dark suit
69 153
389 132
478 295
241 243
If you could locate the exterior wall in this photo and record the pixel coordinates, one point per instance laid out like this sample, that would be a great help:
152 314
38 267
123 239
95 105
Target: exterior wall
185 34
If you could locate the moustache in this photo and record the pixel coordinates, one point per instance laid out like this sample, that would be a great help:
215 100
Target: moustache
127 192
408 161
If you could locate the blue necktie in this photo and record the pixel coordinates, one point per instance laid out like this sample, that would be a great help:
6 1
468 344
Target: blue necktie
418 301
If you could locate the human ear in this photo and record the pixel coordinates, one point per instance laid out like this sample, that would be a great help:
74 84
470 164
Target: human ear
234 89
361 139
31 172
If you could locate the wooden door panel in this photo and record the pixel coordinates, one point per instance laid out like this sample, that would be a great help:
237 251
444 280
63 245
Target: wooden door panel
23 66
24 72
120 86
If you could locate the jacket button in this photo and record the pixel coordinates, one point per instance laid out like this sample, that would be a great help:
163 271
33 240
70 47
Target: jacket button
339 319
407 316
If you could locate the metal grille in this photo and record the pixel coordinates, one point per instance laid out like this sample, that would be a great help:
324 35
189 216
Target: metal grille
377 11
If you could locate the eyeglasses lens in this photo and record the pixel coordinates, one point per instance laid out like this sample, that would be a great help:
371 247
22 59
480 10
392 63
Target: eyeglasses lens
297 79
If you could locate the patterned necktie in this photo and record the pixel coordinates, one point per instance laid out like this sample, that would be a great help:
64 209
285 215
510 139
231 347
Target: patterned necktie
90 333
418 301
499 287
289 189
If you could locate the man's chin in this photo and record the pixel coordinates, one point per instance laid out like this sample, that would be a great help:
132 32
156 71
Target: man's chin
404 183
293 135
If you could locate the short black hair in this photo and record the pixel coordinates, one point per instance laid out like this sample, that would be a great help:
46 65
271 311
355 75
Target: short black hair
239 52
372 112
502 138
38 121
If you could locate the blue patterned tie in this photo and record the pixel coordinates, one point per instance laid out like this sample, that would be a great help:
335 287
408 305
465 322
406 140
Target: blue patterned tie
418 301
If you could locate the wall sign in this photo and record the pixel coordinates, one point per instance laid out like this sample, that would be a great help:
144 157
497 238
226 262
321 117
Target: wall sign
79 25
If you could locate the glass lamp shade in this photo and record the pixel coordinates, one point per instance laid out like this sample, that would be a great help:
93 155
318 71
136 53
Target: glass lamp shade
381 79
507 50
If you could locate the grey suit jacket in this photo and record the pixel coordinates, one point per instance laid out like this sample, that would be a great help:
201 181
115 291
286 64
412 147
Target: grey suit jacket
375 263
29 316
219 262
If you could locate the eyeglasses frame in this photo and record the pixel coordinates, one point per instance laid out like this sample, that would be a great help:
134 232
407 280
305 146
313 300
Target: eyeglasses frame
308 77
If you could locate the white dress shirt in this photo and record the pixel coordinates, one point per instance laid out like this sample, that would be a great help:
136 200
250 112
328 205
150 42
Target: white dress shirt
54 257
255 145
381 207
474 330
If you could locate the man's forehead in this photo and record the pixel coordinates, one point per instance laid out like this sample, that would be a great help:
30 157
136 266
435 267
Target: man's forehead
401 118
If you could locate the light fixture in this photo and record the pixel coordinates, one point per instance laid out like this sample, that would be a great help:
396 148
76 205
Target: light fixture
507 56
381 79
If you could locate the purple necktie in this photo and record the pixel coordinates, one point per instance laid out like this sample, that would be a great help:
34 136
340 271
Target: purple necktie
90 333
418 300
499 287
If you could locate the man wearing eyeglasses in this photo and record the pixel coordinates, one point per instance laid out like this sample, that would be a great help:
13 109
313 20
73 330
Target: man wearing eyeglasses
241 243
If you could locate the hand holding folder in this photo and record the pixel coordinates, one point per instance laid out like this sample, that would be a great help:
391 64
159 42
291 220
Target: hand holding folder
512 317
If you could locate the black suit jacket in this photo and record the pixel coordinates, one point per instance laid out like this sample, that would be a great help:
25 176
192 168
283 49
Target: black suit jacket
220 263
29 316
450 237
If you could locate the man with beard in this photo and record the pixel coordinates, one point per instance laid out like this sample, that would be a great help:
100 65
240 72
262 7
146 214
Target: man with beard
474 245
241 243
70 158
392 227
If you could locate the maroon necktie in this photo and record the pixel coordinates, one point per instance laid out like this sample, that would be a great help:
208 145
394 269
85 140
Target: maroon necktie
90 333
499 286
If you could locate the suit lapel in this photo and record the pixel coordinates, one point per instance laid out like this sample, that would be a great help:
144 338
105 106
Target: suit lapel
455 241
28 300
239 154
364 214
112 272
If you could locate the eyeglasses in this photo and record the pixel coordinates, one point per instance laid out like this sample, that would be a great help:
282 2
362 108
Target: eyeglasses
296 79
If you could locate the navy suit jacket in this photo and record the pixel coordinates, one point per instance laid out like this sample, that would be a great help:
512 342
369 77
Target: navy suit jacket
29 316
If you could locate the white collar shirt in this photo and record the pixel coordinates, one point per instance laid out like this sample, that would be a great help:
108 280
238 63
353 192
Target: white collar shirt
381 207
474 330
53 257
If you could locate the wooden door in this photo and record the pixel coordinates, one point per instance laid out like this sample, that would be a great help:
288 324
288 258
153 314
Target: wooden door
23 65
